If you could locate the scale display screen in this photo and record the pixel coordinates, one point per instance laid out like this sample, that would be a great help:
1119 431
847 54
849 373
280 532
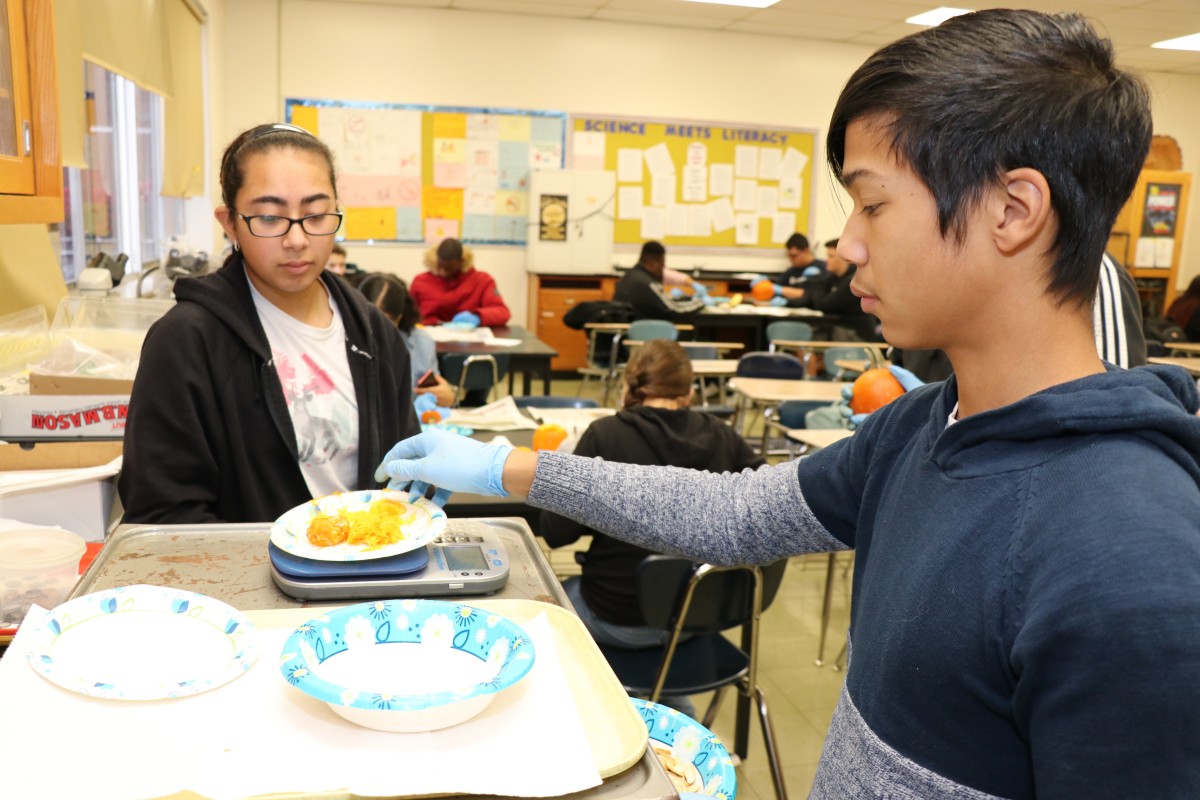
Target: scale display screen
465 558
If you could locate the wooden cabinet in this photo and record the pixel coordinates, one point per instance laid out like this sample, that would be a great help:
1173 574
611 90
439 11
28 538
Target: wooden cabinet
30 159
554 296
1148 235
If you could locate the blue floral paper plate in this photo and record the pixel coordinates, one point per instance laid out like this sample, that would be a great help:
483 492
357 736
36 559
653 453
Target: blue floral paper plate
692 755
290 532
142 643
407 665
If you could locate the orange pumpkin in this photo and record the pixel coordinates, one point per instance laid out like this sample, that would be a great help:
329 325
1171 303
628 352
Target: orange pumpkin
430 417
873 390
763 291
548 437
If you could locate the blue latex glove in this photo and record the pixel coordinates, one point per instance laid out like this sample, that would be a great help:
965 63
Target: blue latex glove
907 380
709 300
810 272
467 318
448 461
676 293
424 402
777 301
699 290
778 289
758 280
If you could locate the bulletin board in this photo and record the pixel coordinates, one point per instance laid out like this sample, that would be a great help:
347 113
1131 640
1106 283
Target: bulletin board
413 173
701 184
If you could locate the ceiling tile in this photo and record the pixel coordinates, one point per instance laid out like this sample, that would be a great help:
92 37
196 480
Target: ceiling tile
678 8
789 31
519 7
659 19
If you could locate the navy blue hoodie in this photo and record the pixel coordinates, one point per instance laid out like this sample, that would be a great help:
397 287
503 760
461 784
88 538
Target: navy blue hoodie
1026 606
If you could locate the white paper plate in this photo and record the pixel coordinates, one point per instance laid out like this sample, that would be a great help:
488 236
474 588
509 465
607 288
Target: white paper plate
290 532
142 643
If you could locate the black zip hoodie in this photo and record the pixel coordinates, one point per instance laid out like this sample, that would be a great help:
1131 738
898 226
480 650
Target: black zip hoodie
653 437
209 437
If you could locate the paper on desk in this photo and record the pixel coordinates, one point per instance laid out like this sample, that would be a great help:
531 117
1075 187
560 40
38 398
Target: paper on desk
502 415
446 333
258 735
574 420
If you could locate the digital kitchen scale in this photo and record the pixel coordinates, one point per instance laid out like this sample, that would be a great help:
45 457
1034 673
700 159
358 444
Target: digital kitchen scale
464 562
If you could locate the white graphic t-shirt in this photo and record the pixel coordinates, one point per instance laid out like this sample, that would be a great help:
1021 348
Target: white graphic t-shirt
315 374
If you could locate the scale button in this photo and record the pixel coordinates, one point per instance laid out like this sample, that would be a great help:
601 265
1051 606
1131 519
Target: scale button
478 573
476 538
466 574
455 586
493 552
497 563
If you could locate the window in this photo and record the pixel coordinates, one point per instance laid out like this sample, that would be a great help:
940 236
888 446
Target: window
115 205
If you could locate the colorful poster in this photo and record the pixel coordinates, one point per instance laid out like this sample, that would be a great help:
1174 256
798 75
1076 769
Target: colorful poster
1161 210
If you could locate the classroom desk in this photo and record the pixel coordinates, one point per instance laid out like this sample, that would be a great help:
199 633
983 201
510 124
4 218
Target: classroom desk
1190 363
752 321
818 437
771 390
530 357
1184 347
230 562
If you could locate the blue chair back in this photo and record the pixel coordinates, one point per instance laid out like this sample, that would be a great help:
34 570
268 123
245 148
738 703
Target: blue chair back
789 330
543 401
643 330
782 366
835 354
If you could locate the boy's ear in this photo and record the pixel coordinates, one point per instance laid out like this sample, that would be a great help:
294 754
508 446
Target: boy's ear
1024 210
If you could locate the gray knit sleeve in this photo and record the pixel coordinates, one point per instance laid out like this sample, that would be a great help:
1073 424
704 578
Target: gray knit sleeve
751 517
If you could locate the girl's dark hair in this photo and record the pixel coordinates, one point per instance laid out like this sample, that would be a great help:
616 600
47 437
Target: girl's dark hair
659 368
390 295
259 140
997 90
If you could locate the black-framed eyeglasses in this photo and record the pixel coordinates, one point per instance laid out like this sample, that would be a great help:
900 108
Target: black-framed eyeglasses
272 226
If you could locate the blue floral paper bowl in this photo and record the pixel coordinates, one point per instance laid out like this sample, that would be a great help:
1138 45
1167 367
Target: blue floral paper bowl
693 756
407 665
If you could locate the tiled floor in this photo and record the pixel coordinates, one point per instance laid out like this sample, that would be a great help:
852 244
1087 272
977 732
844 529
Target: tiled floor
800 695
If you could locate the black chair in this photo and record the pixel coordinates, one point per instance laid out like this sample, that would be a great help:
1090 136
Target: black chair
700 601
477 373
547 401
778 366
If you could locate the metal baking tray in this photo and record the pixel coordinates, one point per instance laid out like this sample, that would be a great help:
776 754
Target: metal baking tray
230 562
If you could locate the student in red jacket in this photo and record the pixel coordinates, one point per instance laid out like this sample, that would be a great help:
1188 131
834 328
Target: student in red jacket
454 291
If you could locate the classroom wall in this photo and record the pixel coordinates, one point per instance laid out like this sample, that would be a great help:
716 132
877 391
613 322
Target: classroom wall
272 49
375 52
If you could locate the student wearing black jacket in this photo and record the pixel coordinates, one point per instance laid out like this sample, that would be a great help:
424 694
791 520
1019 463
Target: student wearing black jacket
642 288
830 293
227 423
655 427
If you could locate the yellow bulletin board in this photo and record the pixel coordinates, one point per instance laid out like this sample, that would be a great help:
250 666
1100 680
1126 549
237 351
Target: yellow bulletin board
413 173
701 184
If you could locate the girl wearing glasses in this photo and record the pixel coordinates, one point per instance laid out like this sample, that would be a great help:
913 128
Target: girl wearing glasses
271 381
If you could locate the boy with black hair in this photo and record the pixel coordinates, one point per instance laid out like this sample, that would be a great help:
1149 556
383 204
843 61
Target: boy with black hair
642 288
1025 617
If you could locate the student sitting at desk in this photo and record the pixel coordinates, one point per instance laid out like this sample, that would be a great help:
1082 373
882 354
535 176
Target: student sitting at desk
830 293
803 266
642 288
391 296
655 426
454 291
270 382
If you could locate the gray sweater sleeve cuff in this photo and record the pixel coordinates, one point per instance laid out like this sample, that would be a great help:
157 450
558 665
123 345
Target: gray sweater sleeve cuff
751 517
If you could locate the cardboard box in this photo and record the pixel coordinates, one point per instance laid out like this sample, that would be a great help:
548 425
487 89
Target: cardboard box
78 385
86 506
63 416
